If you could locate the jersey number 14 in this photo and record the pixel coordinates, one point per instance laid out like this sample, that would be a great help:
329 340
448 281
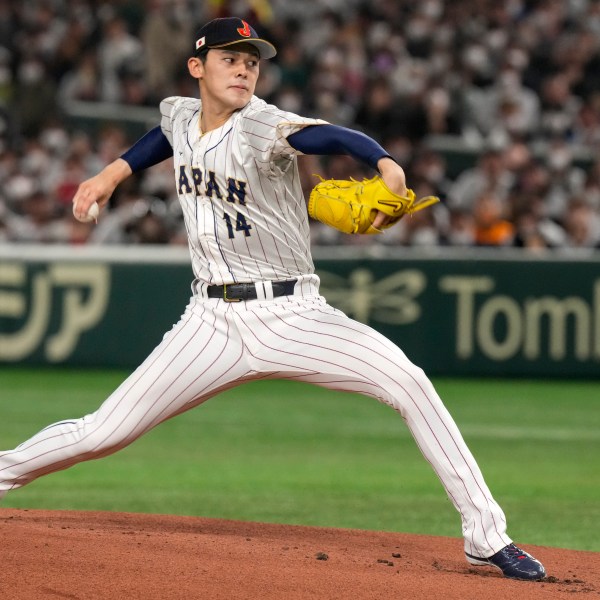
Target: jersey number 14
240 225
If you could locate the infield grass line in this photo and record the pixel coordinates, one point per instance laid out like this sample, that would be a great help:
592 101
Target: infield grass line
530 433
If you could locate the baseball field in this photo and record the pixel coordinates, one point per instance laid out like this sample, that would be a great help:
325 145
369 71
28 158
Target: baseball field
277 452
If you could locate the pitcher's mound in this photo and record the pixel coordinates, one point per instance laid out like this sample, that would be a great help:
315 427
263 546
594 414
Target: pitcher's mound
91 555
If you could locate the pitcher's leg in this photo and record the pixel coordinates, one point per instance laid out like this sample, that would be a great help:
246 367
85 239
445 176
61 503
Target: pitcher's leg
318 344
195 360
409 392
440 441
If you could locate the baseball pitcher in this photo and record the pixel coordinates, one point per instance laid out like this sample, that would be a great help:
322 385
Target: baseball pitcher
255 310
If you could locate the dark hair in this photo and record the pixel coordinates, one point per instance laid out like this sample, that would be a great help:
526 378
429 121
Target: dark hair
202 54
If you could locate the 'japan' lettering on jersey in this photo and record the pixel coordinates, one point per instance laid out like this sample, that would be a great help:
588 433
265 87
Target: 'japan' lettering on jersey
240 192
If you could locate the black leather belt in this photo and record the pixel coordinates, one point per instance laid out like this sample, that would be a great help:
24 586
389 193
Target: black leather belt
236 292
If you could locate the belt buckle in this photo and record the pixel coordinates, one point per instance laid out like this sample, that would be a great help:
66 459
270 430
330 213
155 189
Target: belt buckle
225 295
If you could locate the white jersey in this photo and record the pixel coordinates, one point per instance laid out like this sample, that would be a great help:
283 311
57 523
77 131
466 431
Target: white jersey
240 192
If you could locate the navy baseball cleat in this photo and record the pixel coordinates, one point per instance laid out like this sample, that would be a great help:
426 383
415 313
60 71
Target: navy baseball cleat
513 562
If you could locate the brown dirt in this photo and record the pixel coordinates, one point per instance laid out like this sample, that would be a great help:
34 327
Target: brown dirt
91 555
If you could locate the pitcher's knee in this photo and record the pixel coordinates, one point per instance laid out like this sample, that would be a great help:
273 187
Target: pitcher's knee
90 438
407 387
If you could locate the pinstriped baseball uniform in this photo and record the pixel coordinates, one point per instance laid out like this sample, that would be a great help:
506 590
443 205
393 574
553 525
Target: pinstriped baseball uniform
246 222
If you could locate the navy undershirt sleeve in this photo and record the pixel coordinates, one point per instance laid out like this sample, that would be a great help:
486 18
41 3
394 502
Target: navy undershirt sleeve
333 139
154 147
148 151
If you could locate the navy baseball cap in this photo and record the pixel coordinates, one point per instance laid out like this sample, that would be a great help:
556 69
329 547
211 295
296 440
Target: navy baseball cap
220 33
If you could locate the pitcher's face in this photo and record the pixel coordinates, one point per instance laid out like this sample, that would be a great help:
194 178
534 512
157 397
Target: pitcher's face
228 76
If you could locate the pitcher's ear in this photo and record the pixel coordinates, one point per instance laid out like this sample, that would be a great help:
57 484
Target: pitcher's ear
195 67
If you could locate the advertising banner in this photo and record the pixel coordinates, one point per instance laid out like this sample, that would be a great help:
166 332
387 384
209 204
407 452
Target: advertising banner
452 314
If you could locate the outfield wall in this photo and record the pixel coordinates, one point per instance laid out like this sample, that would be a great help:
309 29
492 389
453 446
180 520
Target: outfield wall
453 312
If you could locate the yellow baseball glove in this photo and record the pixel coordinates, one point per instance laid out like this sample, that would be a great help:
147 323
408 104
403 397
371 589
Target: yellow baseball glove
351 206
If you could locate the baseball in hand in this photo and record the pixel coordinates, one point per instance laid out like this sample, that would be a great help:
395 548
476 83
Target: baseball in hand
92 214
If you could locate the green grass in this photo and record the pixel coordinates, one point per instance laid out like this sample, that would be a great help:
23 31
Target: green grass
292 453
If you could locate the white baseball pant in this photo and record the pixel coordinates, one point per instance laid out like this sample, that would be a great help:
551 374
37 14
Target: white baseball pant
218 345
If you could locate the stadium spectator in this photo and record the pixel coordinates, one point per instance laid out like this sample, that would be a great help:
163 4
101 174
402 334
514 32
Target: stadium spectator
491 227
582 225
488 174
165 34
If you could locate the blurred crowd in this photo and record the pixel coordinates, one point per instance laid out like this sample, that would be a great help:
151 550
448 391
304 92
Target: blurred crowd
515 84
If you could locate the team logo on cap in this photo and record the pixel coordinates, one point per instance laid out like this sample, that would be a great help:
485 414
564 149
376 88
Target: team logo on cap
200 42
245 30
